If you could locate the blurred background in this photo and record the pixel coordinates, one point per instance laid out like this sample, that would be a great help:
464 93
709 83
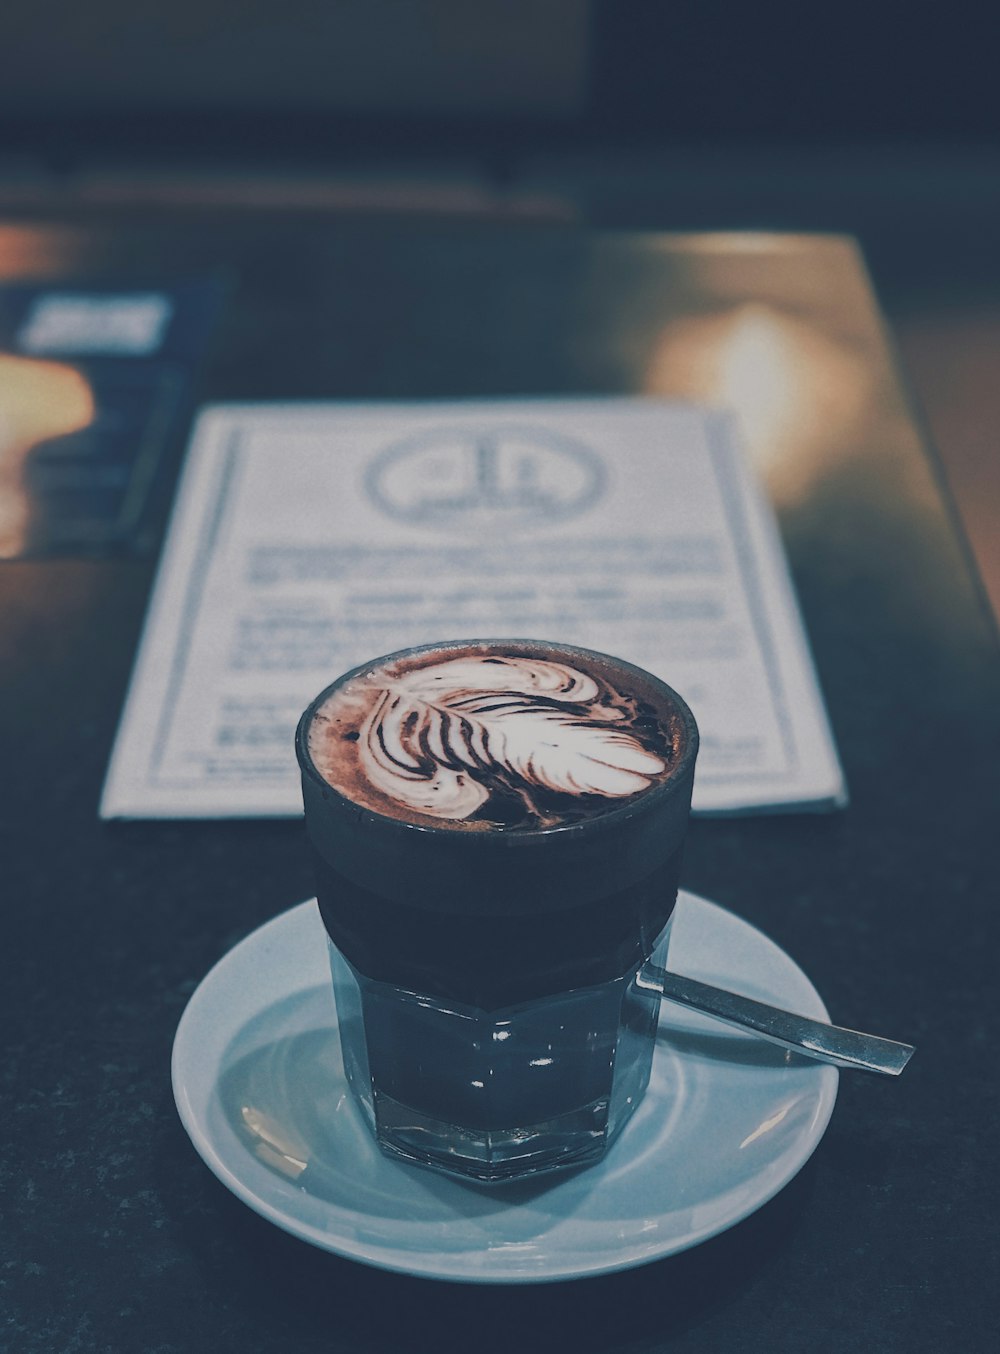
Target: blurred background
880 120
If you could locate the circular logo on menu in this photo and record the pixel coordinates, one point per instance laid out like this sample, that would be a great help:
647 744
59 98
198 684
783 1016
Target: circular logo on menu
473 479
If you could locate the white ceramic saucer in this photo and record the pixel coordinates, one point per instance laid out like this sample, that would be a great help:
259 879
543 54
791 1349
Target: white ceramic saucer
727 1121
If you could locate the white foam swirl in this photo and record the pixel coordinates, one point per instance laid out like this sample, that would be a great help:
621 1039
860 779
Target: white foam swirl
437 735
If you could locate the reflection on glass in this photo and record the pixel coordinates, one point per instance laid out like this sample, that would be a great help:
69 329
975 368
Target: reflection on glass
38 400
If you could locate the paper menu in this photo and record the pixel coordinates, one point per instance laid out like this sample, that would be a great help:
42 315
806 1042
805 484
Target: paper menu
307 539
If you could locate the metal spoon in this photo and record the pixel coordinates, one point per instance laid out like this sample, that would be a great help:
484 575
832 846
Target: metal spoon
813 1038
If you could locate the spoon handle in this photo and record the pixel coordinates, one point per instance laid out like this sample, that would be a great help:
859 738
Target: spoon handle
813 1038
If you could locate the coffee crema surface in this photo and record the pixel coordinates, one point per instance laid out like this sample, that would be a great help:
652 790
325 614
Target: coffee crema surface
481 737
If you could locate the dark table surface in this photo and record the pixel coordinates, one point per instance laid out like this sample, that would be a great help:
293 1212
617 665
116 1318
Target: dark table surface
115 1236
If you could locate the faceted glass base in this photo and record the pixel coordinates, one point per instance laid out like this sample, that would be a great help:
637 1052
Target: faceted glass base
496 1095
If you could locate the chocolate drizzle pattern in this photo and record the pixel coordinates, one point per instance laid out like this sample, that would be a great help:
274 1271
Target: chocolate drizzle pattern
497 740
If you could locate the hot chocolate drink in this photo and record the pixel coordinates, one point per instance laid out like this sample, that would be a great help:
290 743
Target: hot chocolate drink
480 737
497 828
494 820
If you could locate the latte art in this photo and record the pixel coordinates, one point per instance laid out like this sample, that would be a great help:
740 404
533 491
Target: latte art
538 724
486 738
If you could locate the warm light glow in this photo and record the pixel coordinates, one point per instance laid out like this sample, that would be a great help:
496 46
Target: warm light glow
797 393
30 251
729 243
38 400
